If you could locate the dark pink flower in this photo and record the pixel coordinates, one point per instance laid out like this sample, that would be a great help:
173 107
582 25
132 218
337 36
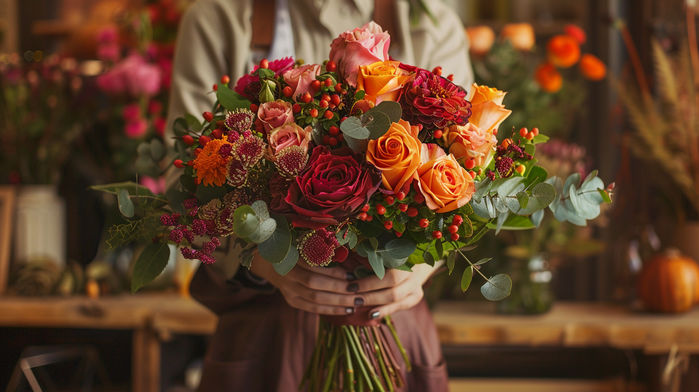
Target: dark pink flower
249 84
434 101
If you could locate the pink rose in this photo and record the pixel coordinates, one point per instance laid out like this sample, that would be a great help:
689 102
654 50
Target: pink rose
287 135
361 46
299 79
131 112
275 114
155 185
133 76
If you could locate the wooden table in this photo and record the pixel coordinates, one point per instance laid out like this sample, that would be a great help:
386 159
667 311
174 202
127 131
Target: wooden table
155 317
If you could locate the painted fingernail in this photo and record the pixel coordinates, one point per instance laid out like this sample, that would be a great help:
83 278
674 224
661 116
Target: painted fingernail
350 276
359 301
375 314
352 287
349 310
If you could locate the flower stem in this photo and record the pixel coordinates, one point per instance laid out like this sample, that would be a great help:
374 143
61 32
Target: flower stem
408 366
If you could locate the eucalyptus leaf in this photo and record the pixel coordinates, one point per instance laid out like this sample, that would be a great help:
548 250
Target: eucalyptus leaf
149 265
391 109
126 206
278 245
497 288
353 127
289 262
264 231
157 149
482 261
537 217
400 248
377 123
260 208
359 146
245 223
536 175
522 199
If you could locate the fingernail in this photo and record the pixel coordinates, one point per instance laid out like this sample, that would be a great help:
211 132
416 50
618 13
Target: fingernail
359 301
352 287
375 314
350 276
349 310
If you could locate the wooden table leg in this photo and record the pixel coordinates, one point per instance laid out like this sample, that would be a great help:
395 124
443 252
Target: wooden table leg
145 366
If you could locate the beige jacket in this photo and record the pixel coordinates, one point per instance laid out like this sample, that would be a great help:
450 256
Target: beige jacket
214 40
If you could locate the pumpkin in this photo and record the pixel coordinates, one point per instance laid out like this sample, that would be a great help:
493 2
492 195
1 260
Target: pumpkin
669 283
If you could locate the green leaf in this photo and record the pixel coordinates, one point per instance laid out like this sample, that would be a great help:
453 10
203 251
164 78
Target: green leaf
376 264
400 248
466 278
353 127
514 222
245 223
522 199
131 187
229 99
357 145
265 73
482 188
149 265
439 247
540 138
482 261
359 95
192 122
180 127
451 262
264 231
126 206
497 288
500 221
157 149
391 109
277 246
260 208
537 217
536 175
289 262
510 187
428 258
605 196
542 195
376 122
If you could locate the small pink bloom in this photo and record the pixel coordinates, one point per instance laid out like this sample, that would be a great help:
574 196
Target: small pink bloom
361 46
288 135
275 114
136 129
108 35
131 112
133 76
155 185
159 125
299 79
108 52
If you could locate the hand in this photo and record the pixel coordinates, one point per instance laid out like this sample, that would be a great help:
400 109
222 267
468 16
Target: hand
398 290
314 290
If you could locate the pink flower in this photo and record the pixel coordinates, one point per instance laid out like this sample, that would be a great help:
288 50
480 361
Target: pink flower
136 129
249 85
289 135
275 114
108 52
107 35
133 76
299 79
155 185
131 112
361 46
159 125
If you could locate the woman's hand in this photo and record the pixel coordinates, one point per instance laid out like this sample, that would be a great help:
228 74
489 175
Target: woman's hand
315 290
398 290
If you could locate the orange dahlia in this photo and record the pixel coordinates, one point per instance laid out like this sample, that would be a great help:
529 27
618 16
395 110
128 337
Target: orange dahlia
210 164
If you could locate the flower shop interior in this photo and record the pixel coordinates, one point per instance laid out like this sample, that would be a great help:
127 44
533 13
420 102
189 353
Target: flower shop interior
602 87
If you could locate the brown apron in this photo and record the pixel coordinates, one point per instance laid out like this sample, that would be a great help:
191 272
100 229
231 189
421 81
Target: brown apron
263 344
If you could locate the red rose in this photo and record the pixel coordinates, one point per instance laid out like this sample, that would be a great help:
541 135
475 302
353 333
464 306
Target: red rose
334 186
434 101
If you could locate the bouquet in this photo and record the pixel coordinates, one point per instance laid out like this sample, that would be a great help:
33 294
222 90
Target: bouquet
363 163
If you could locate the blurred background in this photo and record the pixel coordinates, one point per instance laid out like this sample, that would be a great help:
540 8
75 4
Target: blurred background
83 100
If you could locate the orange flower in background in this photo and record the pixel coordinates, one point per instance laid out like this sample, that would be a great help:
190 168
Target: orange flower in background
481 39
210 165
382 81
397 154
445 184
592 67
576 32
563 51
548 78
520 35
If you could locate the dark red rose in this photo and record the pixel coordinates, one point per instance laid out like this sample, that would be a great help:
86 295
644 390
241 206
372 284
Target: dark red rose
434 101
249 85
335 185
278 187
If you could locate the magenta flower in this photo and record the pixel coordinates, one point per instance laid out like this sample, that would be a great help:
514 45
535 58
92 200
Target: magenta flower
434 101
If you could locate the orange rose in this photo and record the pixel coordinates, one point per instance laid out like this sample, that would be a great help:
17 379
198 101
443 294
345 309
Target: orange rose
445 185
480 39
470 142
397 154
520 35
563 51
592 68
487 110
548 77
382 81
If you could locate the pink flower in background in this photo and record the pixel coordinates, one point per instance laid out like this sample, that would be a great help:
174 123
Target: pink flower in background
361 46
133 76
155 185
136 129
131 112
108 52
159 125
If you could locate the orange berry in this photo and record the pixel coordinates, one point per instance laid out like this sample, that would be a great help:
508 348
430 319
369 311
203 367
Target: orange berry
424 223
412 212
592 68
287 91
380 209
315 85
523 132
506 143
208 116
437 71
178 163
388 225
330 66
520 169
457 220
323 104
438 134
203 140
470 164
328 113
264 63
188 140
535 131
454 236
306 97
225 79
436 234
400 195
313 112
333 130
